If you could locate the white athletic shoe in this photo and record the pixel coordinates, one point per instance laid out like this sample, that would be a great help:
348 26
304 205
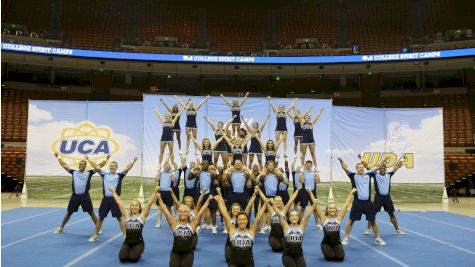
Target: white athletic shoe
379 241
58 231
209 227
198 229
158 225
367 232
296 156
263 230
319 227
180 152
214 230
100 232
225 231
400 232
93 238
345 241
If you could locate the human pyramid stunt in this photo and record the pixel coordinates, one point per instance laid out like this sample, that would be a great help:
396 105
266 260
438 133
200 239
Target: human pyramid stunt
229 176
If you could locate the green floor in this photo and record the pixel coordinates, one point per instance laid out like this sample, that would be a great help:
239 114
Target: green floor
55 187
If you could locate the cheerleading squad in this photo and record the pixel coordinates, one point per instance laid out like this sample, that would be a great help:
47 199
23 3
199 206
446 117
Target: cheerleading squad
235 188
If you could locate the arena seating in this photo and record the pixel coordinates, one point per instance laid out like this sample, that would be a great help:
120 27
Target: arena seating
458 165
13 161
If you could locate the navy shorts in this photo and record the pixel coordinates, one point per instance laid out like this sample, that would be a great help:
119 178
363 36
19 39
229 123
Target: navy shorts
240 198
361 207
383 201
298 198
83 200
305 198
213 205
191 192
166 198
176 191
109 204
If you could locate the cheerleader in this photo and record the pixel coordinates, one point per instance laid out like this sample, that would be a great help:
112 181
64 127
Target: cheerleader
243 135
255 149
167 133
270 149
281 127
236 111
222 148
307 136
237 146
297 129
206 148
191 111
176 127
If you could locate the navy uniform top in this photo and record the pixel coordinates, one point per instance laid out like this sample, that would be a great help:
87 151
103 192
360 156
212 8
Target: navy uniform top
191 118
167 133
331 232
111 179
298 127
293 242
207 154
237 152
81 181
276 229
182 237
270 155
241 248
307 133
281 121
133 230
236 110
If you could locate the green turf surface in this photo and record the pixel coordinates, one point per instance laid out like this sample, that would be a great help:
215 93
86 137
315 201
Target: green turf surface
56 187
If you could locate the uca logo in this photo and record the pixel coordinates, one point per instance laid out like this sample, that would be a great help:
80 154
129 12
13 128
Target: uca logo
85 139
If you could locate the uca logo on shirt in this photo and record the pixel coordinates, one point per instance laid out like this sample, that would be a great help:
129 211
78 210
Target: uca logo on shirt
85 139
372 158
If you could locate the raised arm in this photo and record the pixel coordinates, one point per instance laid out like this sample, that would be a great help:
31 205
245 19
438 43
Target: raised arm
251 201
102 163
181 102
264 123
94 165
283 222
300 118
61 162
117 199
197 219
249 129
166 106
202 103
291 200
226 101
175 200
210 123
130 165
244 143
148 206
197 145
162 120
199 202
272 105
307 111
216 143
255 225
226 126
228 140
291 105
264 148
344 166
244 99
177 116
399 164
345 205
224 212
165 211
318 211
318 116
304 221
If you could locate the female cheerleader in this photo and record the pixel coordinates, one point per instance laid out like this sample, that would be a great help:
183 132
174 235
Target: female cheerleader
236 111
255 148
235 209
167 133
241 237
243 134
191 112
307 132
222 148
182 254
270 149
206 148
134 218
331 245
176 127
297 129
281 127
276 235
237 146
293 252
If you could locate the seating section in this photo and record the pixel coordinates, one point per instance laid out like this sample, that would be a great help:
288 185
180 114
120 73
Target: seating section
13 161
14 115
34 14
458 165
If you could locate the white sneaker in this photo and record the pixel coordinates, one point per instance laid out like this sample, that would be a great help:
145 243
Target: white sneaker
93 238
263 230
268 228
198 229
295 156
180 152
367 232
214 230
319 227
400 232
225 231
379 241
100 232
158 225
345 241
58 231
209 227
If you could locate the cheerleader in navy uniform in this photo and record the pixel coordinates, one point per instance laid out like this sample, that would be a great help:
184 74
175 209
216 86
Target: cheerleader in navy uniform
222 148
243 134
255 148
134 218
307 132
293 236
236 111
331 246
297 129
237 146
183 228
176 183
206 148
167 133
270 149
191 126
281 127
241 236
176 127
